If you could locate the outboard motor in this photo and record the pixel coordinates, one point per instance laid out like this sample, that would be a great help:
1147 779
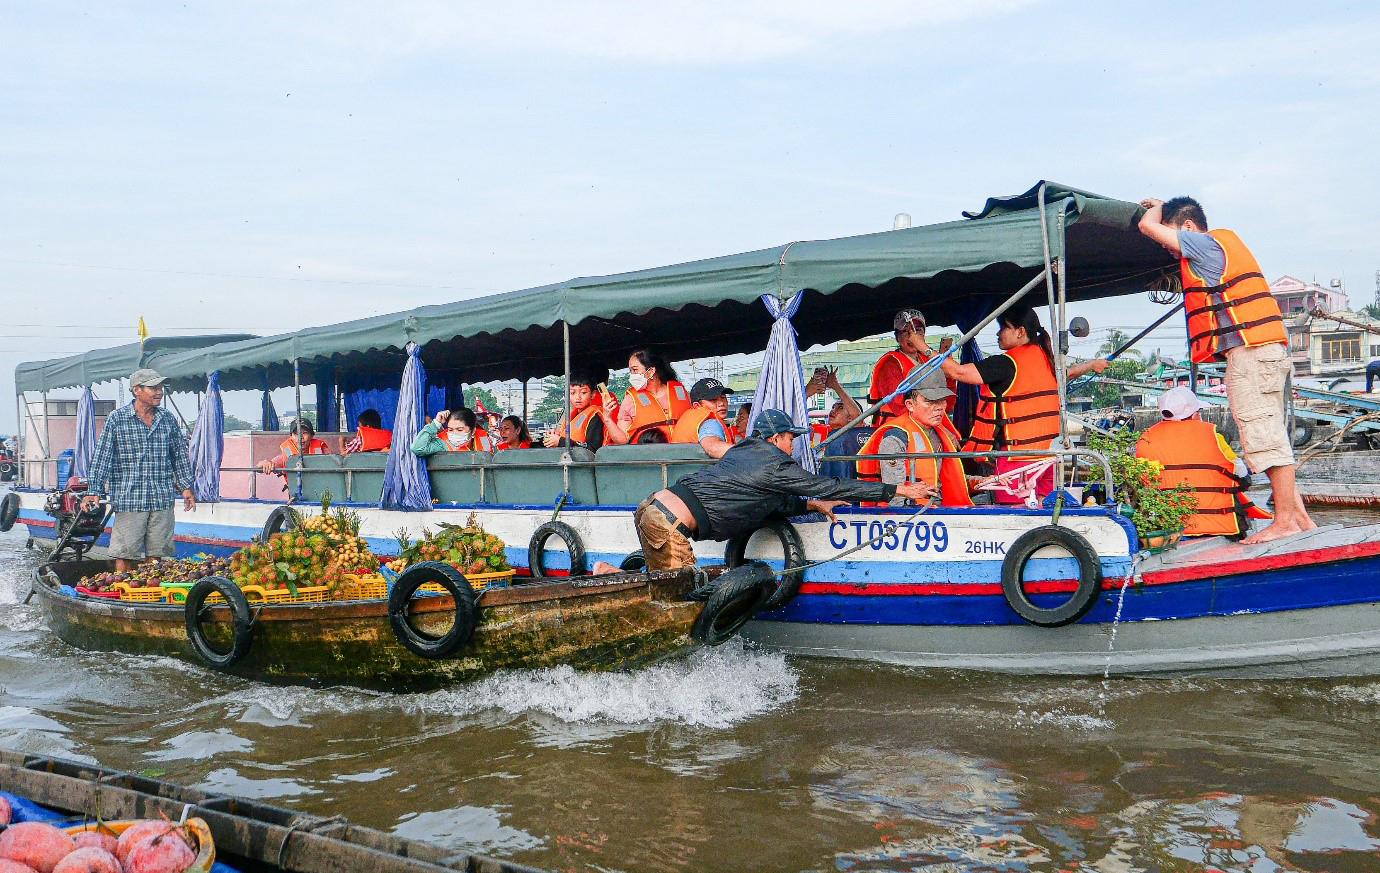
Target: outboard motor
75 530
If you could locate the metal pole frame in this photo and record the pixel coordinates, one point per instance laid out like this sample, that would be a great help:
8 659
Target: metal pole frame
565 457
297 389
1055 294
19 431
47 444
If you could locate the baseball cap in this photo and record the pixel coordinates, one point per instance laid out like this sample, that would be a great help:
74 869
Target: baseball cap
908 318
146 378
934 386
771 422
1179 403
708 389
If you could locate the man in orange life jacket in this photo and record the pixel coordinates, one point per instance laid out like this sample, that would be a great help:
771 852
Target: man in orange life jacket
310 445
593 416
893 366
1233 317
1193 452
924 428
704 422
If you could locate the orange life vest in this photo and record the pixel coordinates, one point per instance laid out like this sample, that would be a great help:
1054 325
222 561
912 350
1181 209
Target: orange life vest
947 473
648 413
373 439
883 384
578 431
1191 453
314 447
522 444
818 432
479 442
1028 411
1247 307
687 429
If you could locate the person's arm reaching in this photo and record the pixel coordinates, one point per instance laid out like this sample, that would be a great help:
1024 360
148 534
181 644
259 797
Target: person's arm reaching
1152 225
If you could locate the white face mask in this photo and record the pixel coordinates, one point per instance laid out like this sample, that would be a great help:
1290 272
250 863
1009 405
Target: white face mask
457 437
637 380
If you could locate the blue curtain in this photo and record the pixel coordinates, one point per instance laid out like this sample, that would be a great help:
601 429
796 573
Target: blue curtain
405 484
208 444
85 446
327 418
268 418
965 404
781 384
379 392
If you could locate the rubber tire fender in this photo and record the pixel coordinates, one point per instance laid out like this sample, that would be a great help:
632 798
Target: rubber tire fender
1302 432
736 598
789 583
1089 576
636 562
536 560
280 519
466 614
7 470
241 628
9 511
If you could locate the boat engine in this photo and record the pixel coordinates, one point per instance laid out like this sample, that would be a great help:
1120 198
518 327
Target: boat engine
75 529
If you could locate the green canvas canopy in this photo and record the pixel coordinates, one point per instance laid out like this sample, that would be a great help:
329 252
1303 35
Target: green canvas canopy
104 365
711 307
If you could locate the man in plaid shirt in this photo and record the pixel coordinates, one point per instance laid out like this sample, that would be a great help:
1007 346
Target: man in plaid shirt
141 462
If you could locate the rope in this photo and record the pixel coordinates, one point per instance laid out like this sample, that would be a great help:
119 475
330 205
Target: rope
306 827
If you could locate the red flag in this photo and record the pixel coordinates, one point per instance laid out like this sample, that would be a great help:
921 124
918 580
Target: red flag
479 407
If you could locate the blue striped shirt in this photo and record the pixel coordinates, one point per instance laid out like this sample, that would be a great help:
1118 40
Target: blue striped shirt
141 468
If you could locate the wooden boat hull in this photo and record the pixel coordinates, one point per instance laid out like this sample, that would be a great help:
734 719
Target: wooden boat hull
592 623
249 835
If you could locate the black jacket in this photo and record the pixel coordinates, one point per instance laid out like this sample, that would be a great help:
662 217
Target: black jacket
754 481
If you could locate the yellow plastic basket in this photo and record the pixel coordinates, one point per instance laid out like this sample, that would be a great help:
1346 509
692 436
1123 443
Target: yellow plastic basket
139 595
197 829
305 594
363 588
478 582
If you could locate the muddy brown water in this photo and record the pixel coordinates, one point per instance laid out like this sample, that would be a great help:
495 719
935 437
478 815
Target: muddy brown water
742 759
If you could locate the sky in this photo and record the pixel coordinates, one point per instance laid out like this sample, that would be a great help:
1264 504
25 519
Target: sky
264 166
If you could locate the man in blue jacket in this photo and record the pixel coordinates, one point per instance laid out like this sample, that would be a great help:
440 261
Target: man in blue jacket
755 480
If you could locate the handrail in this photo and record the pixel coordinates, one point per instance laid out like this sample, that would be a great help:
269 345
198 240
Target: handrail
1025 453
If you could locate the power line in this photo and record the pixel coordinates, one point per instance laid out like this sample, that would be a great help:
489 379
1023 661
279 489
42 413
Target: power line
239 276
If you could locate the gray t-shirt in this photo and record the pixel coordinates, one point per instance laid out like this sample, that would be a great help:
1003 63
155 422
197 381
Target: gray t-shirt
895 472
1206 258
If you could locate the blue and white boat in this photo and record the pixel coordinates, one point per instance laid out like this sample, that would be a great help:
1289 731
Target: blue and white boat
1056 590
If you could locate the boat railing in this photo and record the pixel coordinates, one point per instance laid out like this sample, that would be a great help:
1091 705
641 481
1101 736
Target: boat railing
1097 459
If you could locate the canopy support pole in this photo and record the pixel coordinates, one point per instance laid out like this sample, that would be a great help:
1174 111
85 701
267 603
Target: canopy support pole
19 410
1056 322
297 390
47 441
565 458
924 368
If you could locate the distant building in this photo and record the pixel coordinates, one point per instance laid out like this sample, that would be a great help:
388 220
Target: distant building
1319 347
1295 296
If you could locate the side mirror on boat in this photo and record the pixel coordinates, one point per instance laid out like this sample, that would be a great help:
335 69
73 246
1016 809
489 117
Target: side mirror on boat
1079 327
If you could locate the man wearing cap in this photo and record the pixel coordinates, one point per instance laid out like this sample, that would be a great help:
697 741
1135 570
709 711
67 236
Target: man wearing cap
141 463
1192 452
704 422
923 429
892 367
753 481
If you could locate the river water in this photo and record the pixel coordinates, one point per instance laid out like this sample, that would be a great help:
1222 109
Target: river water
739 759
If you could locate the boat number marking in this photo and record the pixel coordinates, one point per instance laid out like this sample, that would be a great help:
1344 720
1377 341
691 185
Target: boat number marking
984 548
914 536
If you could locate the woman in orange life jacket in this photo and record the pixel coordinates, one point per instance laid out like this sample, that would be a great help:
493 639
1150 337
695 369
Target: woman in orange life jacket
593 416
1192 452
1018 395
704 422
512 434
452 432
655 398
924 428
287 448
892 367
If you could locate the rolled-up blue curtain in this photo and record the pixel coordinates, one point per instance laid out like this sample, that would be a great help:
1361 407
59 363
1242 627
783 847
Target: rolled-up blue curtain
268 418
85 446
208 443
781 384
327 417
405 485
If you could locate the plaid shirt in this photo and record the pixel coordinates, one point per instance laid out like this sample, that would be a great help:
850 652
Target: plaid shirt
144 467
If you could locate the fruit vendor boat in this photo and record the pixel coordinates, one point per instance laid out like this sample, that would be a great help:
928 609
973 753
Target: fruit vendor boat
1057 588
247 835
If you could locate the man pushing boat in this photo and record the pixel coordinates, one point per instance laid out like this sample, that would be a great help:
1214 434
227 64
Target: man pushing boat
754 480
1233 317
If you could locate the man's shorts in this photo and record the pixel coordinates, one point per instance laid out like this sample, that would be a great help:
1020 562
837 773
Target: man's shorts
1255 391
135 535
663 547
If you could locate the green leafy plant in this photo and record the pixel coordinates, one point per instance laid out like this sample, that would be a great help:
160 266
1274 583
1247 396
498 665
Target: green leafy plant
1154 508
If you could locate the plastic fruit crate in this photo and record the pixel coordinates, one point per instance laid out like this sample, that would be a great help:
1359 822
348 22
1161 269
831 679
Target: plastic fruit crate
372 587
139 595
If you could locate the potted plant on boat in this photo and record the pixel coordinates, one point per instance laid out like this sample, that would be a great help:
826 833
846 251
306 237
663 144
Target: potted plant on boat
1159 513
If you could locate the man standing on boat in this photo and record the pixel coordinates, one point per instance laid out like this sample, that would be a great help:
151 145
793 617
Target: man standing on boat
141 462
754 480
1233 317
892 367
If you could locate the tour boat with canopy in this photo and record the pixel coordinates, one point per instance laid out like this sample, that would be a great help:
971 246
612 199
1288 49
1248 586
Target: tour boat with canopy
1030 589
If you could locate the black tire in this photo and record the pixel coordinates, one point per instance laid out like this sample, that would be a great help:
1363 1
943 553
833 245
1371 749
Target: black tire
279 520
791 547
419 642
1303 432
737 596
634 563
1083 597
7 471
9 511
241 627
536 559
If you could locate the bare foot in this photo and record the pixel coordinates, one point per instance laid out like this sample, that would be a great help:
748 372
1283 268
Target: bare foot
1271 533
603 568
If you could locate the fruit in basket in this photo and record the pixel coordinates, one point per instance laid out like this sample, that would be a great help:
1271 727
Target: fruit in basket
168 852
90 860
5 812
95 839
39 845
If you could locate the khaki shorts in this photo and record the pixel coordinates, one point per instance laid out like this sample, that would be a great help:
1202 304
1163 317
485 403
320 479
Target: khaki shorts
1255 391
664 547
135 535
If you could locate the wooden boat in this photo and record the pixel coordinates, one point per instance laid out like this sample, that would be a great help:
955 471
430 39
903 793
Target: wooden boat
248 835
593 623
